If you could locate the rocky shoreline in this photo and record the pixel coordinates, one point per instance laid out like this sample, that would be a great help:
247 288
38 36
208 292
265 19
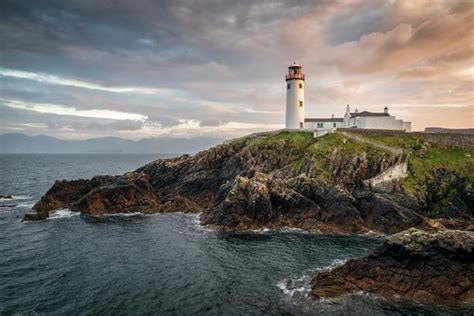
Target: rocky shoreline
430 268
290 179
276 180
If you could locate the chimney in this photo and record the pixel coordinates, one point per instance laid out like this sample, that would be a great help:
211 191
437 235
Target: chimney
332 116
357 111
385 110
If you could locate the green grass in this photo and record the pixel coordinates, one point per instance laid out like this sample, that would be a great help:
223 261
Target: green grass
299 140
303 146
422 168
422 165
319 150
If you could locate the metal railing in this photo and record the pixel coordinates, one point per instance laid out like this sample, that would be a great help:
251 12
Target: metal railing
299 76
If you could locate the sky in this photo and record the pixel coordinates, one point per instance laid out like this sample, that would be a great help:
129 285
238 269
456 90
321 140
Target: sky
138 69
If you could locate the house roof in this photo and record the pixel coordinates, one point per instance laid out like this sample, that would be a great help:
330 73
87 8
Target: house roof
334 119
366 113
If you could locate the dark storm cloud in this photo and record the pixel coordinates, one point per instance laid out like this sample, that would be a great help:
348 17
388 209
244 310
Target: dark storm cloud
146 38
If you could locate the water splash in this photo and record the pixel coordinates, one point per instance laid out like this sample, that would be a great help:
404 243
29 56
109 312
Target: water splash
301 285
62 213
15 197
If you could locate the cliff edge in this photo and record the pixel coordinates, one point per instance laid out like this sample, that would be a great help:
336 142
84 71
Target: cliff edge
288 178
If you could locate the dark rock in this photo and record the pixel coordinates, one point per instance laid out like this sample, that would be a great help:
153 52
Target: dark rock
35 216
414 264
7 205
6 197
129 193
256 182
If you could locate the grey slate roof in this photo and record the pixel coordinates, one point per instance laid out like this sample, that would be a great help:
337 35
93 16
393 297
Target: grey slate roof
334 119
365 113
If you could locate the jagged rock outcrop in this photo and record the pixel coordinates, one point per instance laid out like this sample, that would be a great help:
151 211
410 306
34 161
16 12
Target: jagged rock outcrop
100 195
273 180
414 264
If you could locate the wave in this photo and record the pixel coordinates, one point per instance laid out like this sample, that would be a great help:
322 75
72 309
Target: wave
62 213
132 214
288 230
301 286
26 205
16 197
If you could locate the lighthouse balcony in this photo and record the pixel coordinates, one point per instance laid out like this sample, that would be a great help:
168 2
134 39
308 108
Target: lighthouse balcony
294 76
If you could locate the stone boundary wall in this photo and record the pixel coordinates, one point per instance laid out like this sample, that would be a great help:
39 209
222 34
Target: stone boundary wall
464 141
395 172
394 150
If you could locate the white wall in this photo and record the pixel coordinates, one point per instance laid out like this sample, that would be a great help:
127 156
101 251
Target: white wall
326 125
294 113
407 126
380 122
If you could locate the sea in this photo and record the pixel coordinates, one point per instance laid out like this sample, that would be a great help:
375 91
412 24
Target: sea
163 264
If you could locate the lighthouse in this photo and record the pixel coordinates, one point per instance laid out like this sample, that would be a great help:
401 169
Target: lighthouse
294 97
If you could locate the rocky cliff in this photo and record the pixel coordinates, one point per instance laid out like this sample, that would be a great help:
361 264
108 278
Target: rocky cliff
416 265
286 179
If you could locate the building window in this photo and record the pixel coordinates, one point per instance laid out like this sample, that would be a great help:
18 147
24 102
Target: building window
301 124
301 104
301 86
288 86
333 124
320 125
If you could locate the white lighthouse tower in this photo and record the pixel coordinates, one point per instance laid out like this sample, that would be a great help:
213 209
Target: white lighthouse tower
294 97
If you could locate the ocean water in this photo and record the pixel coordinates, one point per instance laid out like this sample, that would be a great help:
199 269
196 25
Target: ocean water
163 264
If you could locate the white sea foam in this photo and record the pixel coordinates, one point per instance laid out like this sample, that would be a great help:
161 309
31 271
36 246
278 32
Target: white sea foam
334 264
26 205
261 230
196 221
302 285
16 197
62 213
121 214
284 230
372 233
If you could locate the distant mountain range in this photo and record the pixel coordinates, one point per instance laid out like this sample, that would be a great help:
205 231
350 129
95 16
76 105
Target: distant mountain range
21 143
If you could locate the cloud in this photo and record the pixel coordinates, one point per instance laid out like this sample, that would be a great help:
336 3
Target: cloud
162 120
125 125
70 111
405 45
211 122
61 81
192 68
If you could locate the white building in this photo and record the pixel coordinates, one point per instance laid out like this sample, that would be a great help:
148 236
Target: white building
374 120
294 97
295 116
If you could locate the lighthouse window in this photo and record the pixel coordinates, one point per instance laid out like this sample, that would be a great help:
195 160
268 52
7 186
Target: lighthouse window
288 86
301 86
301 125
301 104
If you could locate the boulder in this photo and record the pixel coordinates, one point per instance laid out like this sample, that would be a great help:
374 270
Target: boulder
414 264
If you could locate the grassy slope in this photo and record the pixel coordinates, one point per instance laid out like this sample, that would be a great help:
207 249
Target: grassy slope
425 158
320 148
436 157
420 166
